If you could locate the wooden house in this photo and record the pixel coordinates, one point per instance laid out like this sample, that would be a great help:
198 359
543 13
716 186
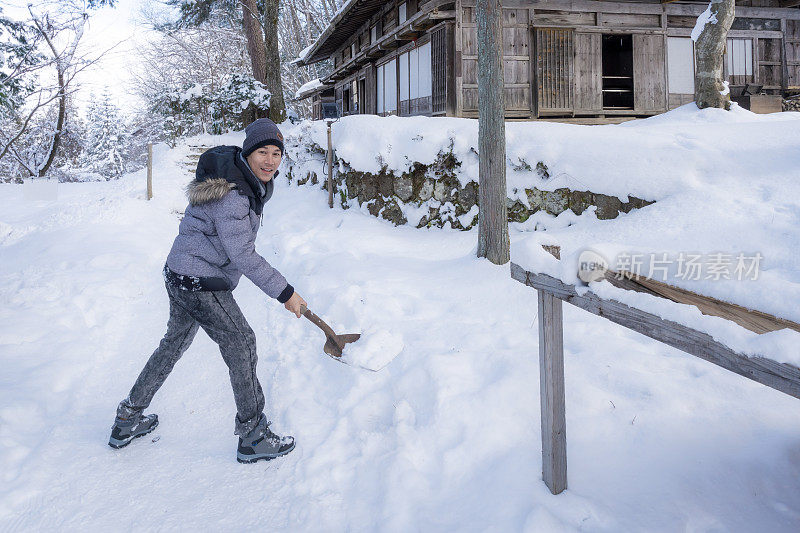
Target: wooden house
562 58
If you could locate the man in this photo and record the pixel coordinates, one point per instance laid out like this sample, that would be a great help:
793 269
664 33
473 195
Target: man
214 247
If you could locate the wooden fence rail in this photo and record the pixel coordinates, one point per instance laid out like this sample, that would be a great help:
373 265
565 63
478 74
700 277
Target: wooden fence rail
551 291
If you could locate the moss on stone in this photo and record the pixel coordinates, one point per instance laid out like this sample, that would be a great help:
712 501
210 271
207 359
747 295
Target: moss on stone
556 202
393 213
517 212
522 166
542 170
579 201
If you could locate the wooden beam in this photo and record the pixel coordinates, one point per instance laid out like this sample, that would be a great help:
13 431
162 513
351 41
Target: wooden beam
741 11
753 320
421 24
756 321
388 43
551 392
406 34
442 15
779 376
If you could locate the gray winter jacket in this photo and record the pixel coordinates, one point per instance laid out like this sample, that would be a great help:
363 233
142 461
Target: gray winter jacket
216 238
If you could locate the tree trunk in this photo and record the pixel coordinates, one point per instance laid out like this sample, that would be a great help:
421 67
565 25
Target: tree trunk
710 47
62 114
493 240
274 83
255 39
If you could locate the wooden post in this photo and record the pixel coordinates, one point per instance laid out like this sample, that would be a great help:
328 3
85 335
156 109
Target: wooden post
149 171
493 239
330 168
551 391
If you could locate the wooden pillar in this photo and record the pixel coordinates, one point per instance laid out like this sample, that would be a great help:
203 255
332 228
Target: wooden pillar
493 239
551 391
149 171
330 167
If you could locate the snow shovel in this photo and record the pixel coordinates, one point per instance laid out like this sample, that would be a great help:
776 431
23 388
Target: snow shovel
334 344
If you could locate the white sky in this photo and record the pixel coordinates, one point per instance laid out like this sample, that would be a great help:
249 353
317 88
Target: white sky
120 29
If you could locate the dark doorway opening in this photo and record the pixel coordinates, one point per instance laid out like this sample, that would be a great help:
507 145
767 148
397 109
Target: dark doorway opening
617 71
362 93
346 102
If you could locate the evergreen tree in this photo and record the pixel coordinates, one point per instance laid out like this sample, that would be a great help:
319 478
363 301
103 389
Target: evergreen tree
104 150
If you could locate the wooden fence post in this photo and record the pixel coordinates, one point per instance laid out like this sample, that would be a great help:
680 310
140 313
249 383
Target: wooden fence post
551 391
149 171
330 167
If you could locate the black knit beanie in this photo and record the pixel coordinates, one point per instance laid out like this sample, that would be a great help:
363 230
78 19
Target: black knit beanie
261 133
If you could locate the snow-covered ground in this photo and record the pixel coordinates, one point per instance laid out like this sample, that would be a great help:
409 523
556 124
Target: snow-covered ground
726 186
444 438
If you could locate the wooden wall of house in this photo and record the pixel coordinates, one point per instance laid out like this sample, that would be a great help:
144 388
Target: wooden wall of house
649 73
552 53
792 44
443 99
770 32
516 62
385 21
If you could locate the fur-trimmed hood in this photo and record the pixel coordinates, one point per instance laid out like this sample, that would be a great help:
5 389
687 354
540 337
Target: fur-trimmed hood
201 192
225 164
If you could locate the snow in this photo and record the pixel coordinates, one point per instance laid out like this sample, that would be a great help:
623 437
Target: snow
334 20
376 349
308 88
446 436
571 152
344 8
726 192
302 55
194 91
706 17
723 182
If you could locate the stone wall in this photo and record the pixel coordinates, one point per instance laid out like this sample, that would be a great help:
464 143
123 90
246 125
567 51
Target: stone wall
792 103
431 195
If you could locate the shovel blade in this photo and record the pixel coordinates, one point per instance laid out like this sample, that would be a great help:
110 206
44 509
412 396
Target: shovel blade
347 338
335 345
332 349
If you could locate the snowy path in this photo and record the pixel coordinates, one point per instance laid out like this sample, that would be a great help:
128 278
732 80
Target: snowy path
445 438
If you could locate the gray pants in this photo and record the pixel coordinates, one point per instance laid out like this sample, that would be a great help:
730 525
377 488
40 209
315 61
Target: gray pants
220 317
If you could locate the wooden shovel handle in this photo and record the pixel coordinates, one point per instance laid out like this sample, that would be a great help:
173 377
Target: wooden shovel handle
318 322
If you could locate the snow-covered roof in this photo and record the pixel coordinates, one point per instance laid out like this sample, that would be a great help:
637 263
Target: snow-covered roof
307 89
301 57
351 15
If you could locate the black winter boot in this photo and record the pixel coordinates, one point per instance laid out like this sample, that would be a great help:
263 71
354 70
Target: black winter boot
262 443
124 431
